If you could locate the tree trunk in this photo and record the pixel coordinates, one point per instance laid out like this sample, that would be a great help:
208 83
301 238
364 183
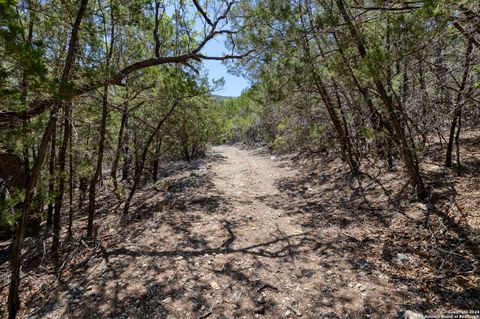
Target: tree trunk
346 148
98 169
51 182
127 159
118 151
457 140
407 150
70 182
141 161
103 130
15 263
62 156
13 296
457 112
156 160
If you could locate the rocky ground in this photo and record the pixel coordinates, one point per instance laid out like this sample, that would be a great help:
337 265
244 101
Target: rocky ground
244 234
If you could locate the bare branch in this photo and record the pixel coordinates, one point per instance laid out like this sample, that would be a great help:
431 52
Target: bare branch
158 43
225 57
202 12
406 8
194 69
41 105
466 34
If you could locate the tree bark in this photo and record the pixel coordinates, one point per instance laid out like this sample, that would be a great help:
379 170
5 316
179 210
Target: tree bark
103 129
120 141
98 169
15 263
457 112
51 182
70 183
346 148
13 293
41 105
62 156
141 162
407 150
156 159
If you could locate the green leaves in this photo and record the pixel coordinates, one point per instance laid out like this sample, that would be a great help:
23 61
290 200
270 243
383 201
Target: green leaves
375 62
8 213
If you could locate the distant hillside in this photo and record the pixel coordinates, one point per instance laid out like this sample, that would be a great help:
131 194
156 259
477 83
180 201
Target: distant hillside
221 97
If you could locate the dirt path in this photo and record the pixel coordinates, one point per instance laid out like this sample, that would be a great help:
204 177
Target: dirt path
243 235
246 180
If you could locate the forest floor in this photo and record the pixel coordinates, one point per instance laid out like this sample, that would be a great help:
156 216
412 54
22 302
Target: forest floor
243 234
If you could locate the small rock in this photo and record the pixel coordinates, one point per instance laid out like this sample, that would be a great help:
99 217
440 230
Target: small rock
237 296
91 261
167 300
73 286
214 285
360 287
259 310
400 259
91 291
260 300
295 310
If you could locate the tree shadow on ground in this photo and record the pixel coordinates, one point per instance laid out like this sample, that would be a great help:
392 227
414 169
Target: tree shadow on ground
192 192
369 222
105 277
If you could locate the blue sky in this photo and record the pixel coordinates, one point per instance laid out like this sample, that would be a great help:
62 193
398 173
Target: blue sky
233 84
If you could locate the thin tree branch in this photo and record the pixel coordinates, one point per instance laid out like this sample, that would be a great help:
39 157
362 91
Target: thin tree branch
202 12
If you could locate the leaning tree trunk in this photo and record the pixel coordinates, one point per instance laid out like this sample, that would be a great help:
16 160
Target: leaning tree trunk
346 147
62 156
407 149
15 262
143 157
127 157
103 128
13 293
51 182
70 183
457 112
98 169
118 151
156 159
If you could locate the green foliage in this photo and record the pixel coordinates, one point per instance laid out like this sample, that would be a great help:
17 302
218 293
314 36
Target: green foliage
8 213
18 55
237 117
191 128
